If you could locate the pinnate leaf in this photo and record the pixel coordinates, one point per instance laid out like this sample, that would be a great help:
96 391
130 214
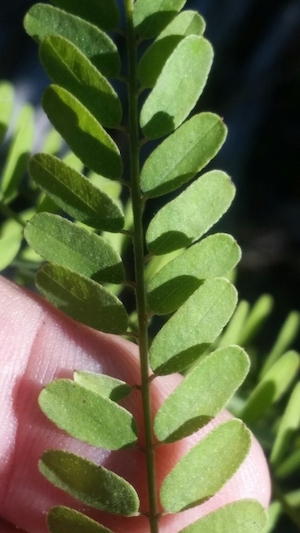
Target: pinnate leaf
88 482
184 153
6 106
193 327
191 214
88 416
243 516
62 519
43 20
75 194
178 87
68 67
214 256
106 386
60 241
82 299
150 18
153 60
102 13
202 394
204 470
83 133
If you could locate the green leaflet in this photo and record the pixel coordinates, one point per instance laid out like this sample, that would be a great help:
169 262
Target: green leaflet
193 327
6 106
288 425
272 386
243 516
75 194
60 241
206 467
150 18
18 154
184 153
61 519
201 396
88 482
10 242
79 296
102 13
191 214
214 256
87 416
43 20
177 88
153 60
68 67
83 133
106 386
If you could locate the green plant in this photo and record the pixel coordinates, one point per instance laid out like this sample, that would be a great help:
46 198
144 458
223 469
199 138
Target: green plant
178 274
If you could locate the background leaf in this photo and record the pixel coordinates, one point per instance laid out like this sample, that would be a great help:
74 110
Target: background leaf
79 297
184 153
10 242
87 416
88 482
288 425
193 327
191 214
63 520
204 470
102 13
185 73
6 106
151 17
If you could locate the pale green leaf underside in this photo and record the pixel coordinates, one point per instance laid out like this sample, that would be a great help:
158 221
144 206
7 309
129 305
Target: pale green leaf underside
153 60
75 194
106 386
184 153
43 20
6 106
193 327
202 394
102 13
203 471
60 241
87 416
177 88
243 516
288 425
62 519
214 256
88 482
79 297
272 386
68 67
83 133
191 214
150 18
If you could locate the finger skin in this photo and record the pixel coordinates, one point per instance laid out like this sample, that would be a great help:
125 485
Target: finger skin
38 344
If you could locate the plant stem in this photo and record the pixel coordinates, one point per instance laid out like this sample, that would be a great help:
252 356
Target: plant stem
138 245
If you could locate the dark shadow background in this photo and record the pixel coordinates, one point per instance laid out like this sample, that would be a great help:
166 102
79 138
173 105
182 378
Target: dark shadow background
255 87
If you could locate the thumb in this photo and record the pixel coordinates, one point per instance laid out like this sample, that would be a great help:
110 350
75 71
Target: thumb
38 344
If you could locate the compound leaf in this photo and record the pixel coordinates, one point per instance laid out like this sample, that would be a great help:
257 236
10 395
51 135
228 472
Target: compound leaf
80 297
75 194
202 394
42 20
214 256
88 416
60 241
102 13
106 386
178 87
191 214
193 327
204 470
68 67
62 519
88 482
243 516
184 153
150 18
153 60
83 133
6 106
